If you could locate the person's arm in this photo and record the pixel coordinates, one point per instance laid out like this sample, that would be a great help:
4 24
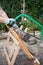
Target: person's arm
3 13
5 19
9 21
2 20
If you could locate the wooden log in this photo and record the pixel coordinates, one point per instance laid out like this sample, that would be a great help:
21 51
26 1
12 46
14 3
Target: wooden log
7 56
25 36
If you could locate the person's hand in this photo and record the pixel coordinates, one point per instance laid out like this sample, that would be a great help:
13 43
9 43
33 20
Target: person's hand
10 21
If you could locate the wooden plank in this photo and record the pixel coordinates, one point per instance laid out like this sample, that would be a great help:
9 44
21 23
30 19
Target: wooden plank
7 40
13 46
14 39
15 55
7 57
17 48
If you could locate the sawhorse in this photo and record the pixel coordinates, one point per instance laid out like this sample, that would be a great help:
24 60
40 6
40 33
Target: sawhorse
16 46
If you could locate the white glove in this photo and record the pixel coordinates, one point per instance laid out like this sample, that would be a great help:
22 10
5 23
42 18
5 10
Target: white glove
9 20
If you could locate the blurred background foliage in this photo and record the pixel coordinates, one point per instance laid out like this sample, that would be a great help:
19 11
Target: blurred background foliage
34 8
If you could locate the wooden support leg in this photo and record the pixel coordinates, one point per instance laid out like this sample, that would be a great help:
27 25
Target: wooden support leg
11 57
